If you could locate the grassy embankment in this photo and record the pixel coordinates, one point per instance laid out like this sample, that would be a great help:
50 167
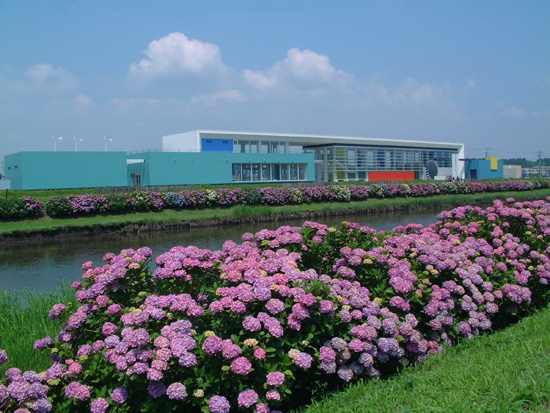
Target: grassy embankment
23 320
440 202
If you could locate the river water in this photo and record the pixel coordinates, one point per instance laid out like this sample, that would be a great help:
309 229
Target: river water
48 265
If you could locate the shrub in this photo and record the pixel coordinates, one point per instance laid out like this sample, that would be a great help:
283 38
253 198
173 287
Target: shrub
59 206
116 203
25 207
287 313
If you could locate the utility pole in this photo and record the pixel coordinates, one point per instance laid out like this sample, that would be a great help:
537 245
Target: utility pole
487 152
540 162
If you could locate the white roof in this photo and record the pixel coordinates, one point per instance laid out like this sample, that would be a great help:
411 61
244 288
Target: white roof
322 139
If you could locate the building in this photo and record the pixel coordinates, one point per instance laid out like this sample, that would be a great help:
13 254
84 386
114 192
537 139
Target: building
336 158
224 157
536 171
58 170
488 168
512 171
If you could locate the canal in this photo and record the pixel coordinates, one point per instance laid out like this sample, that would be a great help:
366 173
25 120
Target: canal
48 265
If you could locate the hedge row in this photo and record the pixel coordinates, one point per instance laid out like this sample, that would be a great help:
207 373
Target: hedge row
81 205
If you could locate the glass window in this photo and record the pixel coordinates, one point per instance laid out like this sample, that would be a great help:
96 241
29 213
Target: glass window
266 173
264 147
284 172
275 172
246 172
293 172
255 172
253 146
302 172
236 172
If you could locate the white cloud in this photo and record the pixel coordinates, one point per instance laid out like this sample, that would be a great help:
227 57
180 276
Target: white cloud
140 102
300 68
44 75
42 78
232 95
176 54
413 92
82 102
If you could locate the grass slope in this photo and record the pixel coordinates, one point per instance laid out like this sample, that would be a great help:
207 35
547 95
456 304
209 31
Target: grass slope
23 320
502 372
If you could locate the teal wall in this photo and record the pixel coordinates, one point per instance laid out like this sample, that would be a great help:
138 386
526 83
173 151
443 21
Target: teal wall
481 169
57 170
12 168
188 168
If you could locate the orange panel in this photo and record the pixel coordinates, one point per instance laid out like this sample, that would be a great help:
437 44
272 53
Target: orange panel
391 176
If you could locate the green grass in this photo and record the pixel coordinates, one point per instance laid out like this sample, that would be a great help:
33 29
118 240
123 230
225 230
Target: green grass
502 372
23 320
47 224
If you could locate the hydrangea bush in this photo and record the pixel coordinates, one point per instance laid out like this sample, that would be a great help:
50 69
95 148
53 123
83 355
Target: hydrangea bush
22 208
285 315
78 205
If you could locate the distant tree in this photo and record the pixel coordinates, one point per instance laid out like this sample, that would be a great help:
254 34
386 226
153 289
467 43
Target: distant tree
519 161
527 163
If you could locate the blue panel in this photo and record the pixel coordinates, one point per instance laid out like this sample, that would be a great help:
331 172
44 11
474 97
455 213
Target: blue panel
217 145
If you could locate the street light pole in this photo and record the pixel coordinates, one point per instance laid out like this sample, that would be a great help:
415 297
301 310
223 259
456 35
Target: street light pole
106 140
76 143
55 142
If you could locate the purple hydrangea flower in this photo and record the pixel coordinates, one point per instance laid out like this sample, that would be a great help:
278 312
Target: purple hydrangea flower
273 394
176 391
212 345
247 398
3 357
219 404
56 310
275 378
241 366
303 360
99 405
119 395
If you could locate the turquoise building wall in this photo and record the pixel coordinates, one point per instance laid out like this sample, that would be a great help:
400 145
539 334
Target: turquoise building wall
481 169
58 170
189 168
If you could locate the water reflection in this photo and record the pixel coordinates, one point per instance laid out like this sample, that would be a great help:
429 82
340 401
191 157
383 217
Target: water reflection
45 266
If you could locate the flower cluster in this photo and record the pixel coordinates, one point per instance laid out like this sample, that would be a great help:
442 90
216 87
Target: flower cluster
261 324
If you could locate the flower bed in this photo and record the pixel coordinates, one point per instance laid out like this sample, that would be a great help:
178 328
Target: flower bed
79 205
286 314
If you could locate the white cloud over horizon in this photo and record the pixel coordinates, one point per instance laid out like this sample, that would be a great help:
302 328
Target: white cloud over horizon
300 68
177 55
40 78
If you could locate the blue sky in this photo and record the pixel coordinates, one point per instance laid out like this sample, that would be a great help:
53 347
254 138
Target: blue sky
469 71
